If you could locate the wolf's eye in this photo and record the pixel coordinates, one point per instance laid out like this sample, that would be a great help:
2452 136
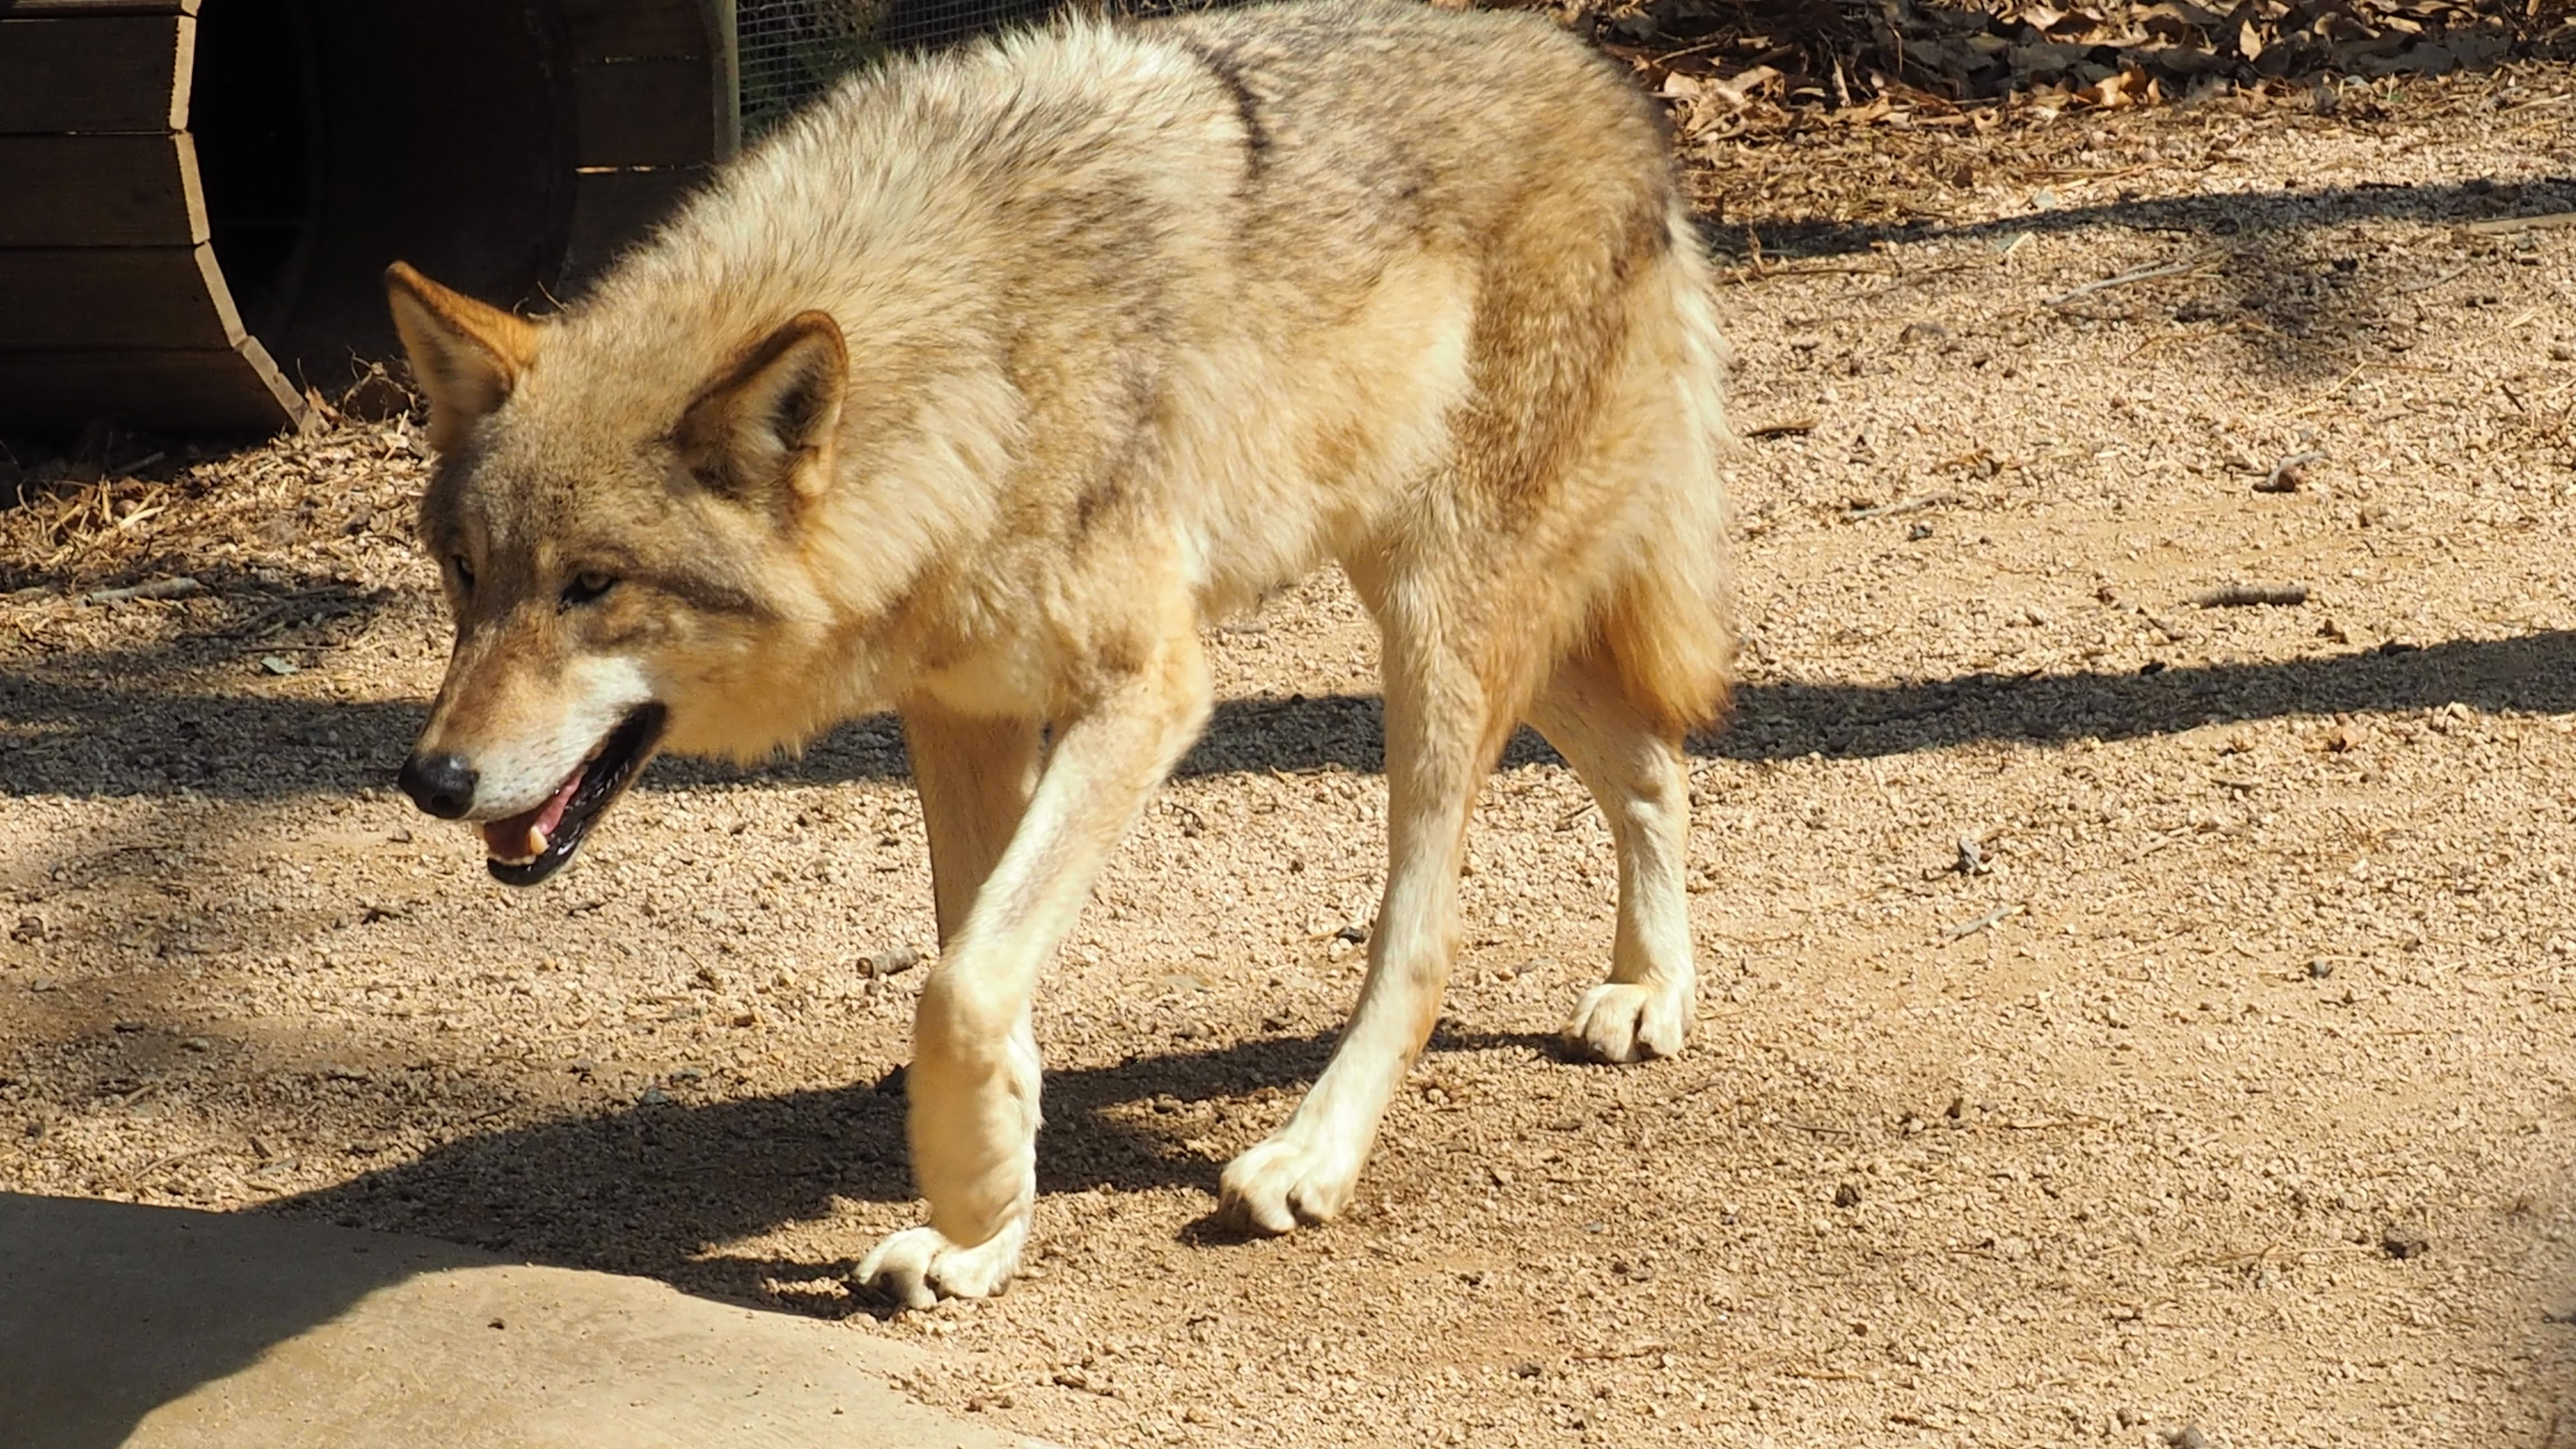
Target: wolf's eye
464 572
586 587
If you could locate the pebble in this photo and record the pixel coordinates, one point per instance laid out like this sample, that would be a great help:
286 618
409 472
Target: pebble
2187 1437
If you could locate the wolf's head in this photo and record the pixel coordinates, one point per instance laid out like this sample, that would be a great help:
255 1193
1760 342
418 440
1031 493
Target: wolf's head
622 560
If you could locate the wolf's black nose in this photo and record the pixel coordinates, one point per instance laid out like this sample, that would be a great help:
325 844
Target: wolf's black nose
443 785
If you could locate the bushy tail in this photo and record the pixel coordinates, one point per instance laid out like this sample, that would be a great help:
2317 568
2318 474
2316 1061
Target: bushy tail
1669 628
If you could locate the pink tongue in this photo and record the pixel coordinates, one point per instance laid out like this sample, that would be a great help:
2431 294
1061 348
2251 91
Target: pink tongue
508 839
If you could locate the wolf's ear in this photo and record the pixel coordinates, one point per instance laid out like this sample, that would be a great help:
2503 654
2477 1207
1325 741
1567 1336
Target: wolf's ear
467 354
764 427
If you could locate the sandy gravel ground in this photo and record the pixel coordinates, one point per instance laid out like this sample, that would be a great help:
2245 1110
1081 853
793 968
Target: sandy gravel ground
2125 1020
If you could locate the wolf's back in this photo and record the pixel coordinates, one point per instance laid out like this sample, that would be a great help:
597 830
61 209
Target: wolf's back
1161 252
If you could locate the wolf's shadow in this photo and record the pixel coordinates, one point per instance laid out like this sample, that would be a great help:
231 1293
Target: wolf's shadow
648 1189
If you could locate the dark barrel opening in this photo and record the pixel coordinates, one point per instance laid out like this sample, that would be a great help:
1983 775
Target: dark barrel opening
335 138
255 112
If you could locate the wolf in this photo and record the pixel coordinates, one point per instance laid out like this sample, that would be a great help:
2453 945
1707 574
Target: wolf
982 387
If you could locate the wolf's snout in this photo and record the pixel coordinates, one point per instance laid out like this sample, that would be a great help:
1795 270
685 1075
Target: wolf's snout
443 785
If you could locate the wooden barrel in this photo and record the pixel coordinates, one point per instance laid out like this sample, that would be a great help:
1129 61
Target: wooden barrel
198 197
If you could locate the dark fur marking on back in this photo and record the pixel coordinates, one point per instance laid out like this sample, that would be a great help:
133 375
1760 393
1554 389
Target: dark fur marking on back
1098 497
1645 239
1256 137
1111 489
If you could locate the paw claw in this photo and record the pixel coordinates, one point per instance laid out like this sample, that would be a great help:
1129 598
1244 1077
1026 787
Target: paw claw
918 1267
1625 1022
1284 1184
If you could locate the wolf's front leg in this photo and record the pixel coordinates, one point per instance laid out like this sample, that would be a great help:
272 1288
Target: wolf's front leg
973 1085
974 1119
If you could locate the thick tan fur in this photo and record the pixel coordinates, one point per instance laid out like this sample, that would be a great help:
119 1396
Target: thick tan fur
984 385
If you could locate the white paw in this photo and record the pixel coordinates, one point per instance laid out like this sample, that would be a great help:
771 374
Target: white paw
1286 1182
919 1266
1620 1022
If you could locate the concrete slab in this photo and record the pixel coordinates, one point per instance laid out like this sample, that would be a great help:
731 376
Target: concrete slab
156 1328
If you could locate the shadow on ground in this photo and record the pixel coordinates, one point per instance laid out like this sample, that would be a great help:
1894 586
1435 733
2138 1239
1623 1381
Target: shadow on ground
173 1308
679 1178
2216 215
2265 265
179 1300
93 742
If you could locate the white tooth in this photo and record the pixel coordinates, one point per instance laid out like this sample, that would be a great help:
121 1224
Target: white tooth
537 842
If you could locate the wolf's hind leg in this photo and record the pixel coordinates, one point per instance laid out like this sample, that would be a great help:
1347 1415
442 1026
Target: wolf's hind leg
1636 771
1445 721
973 1086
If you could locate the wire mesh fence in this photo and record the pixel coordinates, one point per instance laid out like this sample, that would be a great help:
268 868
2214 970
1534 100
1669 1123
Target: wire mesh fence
789 51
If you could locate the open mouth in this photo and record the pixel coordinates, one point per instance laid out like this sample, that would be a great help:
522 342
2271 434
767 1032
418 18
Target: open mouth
528 847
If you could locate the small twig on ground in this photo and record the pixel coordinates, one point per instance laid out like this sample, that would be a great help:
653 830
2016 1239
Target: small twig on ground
1966 929
1603 1355
135 1179
1910 505
2327 397
2284 477
2142 274
176 588
1761 273
2172 634
2246 596
2452 275
2503 225
1791 428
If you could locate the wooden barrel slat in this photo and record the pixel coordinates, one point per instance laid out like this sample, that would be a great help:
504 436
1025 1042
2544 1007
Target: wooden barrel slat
169 298
227 390
40 9
118 73
611 209
624 30
644 112
94 191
